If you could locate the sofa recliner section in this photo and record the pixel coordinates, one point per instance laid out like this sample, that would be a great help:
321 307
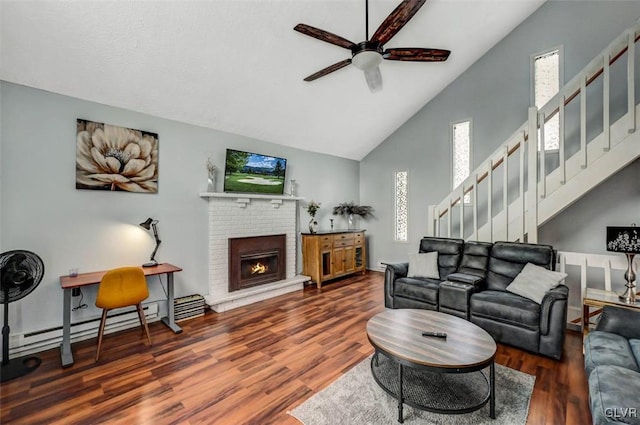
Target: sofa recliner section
475 289
612 366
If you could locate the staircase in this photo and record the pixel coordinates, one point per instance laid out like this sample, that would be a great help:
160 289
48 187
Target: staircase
521 186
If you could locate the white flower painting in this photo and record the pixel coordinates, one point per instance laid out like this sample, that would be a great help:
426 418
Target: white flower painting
115 158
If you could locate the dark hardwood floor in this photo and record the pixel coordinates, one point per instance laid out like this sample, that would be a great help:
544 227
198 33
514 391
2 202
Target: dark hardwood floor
249 366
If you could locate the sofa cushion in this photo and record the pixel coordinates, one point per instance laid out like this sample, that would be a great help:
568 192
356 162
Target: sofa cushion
507 259
506 307
622 321
534 282
613 394
418 289
635 349
475 258
606 348
449 252
424 265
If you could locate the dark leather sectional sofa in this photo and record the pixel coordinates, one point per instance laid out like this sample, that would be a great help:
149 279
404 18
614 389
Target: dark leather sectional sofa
473 279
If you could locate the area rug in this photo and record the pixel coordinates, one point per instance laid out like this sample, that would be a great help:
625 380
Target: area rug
355 398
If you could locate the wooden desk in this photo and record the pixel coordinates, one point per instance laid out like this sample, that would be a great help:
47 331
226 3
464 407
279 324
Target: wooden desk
599 298
68 283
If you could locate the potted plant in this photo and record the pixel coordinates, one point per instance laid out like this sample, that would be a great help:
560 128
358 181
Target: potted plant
349 209
312 209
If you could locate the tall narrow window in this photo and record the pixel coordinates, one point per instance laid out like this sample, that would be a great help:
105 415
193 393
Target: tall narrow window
401 193
461 153
546 84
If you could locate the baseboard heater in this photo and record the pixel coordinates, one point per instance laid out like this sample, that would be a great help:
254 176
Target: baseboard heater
34 342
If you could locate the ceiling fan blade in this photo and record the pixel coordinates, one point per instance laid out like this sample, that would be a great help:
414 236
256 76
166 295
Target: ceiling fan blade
416 54
396 20
324 36
328 70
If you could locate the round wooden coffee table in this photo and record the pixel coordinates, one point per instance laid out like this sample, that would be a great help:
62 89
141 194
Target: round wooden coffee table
441 375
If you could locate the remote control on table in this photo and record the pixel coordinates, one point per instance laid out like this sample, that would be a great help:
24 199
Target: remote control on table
435 334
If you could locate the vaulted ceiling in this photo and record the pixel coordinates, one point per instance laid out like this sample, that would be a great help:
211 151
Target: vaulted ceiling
238 66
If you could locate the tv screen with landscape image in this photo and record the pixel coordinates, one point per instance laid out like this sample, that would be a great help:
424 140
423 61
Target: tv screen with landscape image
249 172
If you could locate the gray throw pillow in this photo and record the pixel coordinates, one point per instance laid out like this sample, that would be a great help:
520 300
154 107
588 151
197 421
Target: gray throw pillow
534 281
424 264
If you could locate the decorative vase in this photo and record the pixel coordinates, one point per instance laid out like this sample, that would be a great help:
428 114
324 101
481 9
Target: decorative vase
350 221
313 226
292 192
211 182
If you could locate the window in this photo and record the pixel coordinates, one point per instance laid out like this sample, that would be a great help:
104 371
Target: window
401 227
546 72
461 153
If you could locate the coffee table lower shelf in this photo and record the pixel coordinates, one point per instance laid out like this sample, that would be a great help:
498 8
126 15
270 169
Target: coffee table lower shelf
433 391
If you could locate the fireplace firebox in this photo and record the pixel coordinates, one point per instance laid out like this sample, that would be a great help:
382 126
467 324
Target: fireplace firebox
256 260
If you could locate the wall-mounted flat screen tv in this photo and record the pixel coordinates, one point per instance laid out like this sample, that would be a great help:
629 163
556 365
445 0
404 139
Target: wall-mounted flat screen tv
248 172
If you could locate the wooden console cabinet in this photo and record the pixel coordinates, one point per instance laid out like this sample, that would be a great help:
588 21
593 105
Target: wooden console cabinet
328 255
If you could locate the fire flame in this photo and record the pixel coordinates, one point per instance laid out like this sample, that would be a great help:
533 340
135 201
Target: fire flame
258 268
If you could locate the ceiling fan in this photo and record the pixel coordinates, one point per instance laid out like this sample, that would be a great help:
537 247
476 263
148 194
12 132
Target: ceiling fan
367 55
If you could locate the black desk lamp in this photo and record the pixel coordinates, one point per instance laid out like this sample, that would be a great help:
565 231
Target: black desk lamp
626 240
148 224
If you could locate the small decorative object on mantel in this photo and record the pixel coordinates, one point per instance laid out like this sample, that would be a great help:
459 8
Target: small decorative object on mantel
627 241
312 209
349 209
292 191
211 169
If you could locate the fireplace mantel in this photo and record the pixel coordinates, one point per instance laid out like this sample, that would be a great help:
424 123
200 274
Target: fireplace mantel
248 195
245 198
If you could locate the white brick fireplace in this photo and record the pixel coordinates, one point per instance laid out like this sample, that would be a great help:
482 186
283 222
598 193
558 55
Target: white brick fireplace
235 216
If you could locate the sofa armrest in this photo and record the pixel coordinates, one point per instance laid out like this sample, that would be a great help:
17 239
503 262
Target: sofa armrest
393 272
465 278
621 321
553 322
558 294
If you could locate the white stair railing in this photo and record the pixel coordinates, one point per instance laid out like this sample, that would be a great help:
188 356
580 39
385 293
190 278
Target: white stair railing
534 184
595 271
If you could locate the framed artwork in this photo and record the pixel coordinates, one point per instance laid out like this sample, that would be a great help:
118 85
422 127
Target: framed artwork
115 158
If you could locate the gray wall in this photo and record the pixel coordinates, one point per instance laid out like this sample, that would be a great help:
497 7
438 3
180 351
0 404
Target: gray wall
495 93
96 230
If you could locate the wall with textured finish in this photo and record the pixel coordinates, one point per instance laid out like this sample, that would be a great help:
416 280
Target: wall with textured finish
494 92
95 230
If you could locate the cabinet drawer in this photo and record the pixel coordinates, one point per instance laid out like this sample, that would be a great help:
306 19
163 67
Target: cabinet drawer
358 235
325 239
325 245
358 241
338 244
343 237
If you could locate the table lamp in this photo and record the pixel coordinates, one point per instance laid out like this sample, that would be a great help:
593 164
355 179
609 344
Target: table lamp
149 224
627 241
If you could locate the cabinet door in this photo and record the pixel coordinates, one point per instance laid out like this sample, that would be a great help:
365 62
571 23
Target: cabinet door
358 258
326 268
349 259
338 261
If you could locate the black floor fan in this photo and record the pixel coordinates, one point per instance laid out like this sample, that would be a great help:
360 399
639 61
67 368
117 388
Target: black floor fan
20 273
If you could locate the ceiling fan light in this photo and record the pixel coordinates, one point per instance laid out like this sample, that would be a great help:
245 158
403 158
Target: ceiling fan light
367 59
374 79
